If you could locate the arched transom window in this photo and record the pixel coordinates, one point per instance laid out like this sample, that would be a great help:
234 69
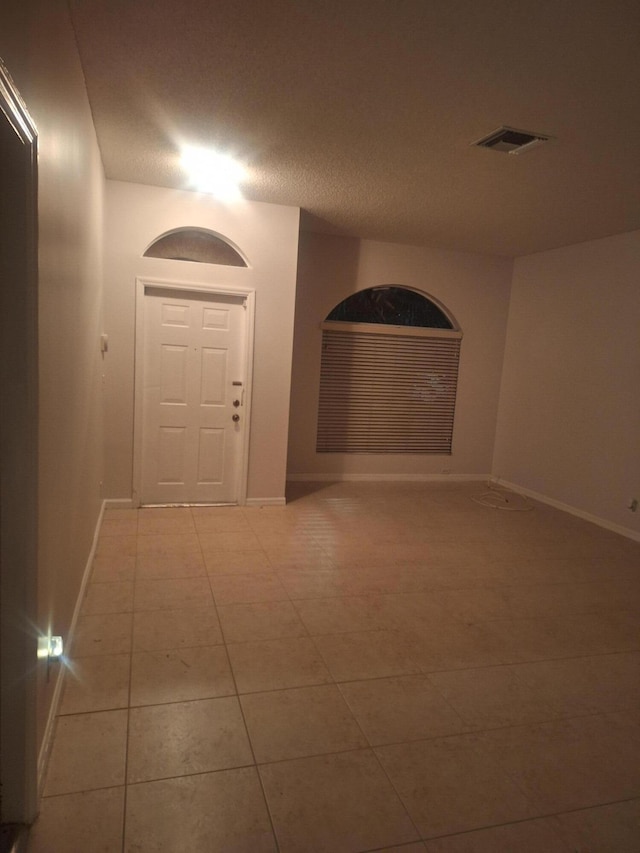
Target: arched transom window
389 374
197 245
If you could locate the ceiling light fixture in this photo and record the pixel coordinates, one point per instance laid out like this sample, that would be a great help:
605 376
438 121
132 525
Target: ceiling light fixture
211 172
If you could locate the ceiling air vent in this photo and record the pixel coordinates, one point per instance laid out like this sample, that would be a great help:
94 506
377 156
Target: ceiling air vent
511 141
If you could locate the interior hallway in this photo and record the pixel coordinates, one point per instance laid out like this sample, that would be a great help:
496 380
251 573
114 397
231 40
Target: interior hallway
372 667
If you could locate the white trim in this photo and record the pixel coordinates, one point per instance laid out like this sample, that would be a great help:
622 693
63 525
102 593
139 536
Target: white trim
15 109
343 477
246 293
119 503
266 502
178 504
43 757
572 510
193 287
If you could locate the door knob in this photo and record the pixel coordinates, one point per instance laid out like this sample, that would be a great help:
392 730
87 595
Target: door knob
235 418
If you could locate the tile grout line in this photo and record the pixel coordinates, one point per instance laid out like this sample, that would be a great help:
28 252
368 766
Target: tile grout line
126 755
242 714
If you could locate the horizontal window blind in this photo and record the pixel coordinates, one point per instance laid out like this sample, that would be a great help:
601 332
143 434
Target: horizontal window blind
387 392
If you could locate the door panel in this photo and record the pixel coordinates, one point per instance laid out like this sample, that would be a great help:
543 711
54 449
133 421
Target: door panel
193 353
214 374
215 318
171 455
211 457
173 374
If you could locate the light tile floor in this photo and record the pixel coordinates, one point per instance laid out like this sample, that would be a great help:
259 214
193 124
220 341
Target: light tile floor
372 667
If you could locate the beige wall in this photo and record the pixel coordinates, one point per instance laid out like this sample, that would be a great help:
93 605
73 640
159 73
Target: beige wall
268 236
569 423
474 288
48 73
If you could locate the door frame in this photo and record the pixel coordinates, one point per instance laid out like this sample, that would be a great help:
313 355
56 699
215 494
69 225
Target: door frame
191 290
19 645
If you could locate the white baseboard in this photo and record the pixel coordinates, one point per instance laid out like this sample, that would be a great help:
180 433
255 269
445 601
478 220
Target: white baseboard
265 502
119 503
343 477
43 757
572 510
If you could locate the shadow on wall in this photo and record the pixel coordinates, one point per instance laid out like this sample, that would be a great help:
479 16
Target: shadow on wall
297 490
312 223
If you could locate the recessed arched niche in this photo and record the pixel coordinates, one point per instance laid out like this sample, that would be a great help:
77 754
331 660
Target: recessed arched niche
197 245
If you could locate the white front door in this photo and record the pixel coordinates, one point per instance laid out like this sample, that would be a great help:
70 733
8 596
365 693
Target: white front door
194 375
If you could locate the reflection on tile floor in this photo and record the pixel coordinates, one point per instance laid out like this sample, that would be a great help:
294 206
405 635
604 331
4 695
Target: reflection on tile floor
370 668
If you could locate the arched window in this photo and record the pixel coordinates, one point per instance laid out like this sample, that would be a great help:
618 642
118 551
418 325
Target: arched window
393 306
198 245
388 376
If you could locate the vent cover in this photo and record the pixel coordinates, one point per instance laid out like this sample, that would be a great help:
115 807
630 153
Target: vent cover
511 141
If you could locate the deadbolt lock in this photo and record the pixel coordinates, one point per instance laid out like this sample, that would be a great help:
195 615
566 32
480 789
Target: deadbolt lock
235 418
236 403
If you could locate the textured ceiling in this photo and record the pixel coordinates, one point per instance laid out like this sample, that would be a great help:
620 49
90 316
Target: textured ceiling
362 112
